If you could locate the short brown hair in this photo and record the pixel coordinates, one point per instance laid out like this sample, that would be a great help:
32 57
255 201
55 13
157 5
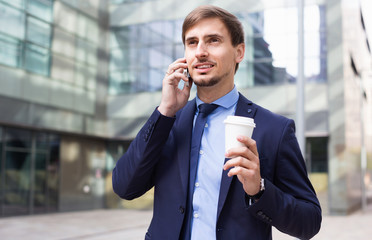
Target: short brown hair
232 23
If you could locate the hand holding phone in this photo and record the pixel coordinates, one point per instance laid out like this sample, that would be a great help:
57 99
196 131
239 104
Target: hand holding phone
187 74
173 98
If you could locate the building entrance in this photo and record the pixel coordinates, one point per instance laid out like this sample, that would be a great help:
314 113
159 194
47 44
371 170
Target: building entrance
29 172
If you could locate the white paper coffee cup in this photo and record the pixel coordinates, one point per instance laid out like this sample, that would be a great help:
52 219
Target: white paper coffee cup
237 126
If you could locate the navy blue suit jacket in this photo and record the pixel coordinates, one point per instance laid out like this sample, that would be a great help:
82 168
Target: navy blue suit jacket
159 157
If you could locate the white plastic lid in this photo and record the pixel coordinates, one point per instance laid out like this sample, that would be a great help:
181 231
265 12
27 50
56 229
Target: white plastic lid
240 120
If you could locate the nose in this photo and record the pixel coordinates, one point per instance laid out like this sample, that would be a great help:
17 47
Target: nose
201 50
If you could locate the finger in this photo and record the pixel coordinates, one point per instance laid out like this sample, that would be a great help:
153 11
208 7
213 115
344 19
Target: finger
244 152
179 63
175 68
176 77
240 162
239 171
249 142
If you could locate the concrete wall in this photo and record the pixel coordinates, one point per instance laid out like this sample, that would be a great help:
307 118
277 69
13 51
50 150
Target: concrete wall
82 174
345 40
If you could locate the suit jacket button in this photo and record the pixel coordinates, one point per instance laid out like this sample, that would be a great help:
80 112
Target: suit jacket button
182 210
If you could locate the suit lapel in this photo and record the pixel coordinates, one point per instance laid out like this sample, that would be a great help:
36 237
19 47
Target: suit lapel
183 141
244 108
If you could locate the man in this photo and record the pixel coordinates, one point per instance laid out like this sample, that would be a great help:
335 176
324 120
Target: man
238 194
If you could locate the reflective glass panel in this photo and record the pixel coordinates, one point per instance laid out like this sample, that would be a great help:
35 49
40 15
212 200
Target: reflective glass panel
127 1
91 78
17 138
87 28
17 183
244 77
124 58
317 157
80 74
40 183
10 51
37 59
38 32
123 81
115 82
53 173
42 141
86 52
17 3
1 169
41 8
12 21
140 53
30 178
122 36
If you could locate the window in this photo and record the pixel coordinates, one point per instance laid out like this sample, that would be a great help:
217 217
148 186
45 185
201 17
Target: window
16 191
127 1
41 8
10 51
37 59
28 172
273 37
25 34
38 32
12 21
1 170
317 154
141 53
17 3
86 52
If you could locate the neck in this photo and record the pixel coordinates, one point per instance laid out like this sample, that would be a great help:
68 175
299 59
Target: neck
212 93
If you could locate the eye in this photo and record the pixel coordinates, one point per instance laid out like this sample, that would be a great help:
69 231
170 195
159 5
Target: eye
192 42
214 40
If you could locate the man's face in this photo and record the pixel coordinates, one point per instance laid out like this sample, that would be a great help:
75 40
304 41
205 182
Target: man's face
210 55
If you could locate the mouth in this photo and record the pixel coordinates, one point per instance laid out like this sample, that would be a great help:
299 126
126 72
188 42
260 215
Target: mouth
203 68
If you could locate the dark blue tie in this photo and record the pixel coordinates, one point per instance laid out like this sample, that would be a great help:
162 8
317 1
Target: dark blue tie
204 110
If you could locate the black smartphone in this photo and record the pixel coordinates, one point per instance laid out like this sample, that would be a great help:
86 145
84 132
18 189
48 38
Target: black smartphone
188 75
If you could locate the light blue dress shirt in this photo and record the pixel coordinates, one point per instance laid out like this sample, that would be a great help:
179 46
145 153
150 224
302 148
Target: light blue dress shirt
210 167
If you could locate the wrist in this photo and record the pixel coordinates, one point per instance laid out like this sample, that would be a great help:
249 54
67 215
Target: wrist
166 111
258 195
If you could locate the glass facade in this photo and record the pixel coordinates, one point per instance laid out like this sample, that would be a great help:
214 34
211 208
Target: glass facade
31 40
75 47
127 1
26 34
140 54
29 172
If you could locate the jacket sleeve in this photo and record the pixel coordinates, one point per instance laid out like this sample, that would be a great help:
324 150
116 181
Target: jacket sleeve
289 202
133 173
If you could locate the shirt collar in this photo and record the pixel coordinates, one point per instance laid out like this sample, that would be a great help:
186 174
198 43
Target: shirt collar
225 101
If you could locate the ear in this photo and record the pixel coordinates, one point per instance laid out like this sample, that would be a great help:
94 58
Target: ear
239 52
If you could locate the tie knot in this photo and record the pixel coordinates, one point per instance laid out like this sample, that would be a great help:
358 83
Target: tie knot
206 108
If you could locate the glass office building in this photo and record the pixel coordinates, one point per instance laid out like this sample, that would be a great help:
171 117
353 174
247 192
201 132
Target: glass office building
79 78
